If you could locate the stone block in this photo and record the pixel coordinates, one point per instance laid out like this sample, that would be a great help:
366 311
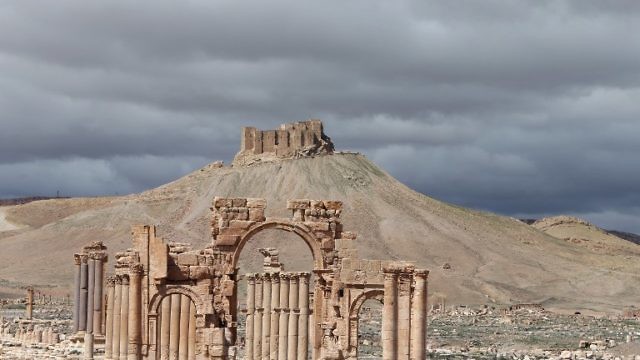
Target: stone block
318 225
227 240
243 214
298 204
333 205
227 287
239 202
187 259
240 224
256 203
198 272
256 214
328 244
316 204
178 273
219 202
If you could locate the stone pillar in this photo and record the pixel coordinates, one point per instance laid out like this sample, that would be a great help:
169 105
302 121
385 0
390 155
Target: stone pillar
183 347
124 319
88 346
29 309
266 315
117 313
108 345
91 278
303 325
283 326
76 292
82 312
251 307
192 331
404 315
165 327
275 316
135 299
257 320
174 331
390 315
292 343
98 306
419 316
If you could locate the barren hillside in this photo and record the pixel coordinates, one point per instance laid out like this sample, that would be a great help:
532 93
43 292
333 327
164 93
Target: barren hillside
492 259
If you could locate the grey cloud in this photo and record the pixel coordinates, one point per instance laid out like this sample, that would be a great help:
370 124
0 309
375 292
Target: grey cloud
517 107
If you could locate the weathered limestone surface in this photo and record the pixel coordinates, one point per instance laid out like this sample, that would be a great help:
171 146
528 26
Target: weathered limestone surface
167 301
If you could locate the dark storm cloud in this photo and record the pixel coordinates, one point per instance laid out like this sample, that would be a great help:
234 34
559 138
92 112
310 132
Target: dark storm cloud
526 108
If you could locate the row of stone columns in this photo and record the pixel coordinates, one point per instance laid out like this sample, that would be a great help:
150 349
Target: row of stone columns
277 325
89 302
123 335
177 328
37 335
404 314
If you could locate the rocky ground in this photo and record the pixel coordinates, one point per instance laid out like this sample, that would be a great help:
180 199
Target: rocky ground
527 333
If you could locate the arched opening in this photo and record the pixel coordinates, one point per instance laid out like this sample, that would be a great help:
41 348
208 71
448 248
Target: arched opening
176 329
295 256
365 324
370 330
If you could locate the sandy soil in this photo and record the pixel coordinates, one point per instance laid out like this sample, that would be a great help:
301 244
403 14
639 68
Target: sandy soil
5 225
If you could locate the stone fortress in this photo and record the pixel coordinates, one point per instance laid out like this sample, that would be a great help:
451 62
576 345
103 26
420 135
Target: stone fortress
293 140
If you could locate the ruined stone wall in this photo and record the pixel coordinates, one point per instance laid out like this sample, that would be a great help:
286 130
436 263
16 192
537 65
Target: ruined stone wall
305 138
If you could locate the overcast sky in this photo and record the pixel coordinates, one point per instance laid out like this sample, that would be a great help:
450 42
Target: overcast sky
525 108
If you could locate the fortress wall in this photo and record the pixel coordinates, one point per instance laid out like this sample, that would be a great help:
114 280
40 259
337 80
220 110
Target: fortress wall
284 141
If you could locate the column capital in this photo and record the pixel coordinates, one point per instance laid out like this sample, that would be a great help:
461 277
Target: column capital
77 258
304 277
284 276
124 279
111 281
422 273
136 269
275 278
251 278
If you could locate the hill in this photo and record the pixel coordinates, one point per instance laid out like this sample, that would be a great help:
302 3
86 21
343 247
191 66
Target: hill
475 257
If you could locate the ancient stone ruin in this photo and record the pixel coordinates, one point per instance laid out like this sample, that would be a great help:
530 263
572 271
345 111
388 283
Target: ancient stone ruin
299 139
166 301
88 305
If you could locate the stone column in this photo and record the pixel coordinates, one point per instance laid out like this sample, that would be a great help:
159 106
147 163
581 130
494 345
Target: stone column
91 278
283 326
251 307
108 345
192 331
165 327
117 312
404 315
257 320
174 331
266 315
84 273
76 292
303 327
29 309
390 316
275 316
419 316
97 296
292 343
124 319
135 299
88 346
183 347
